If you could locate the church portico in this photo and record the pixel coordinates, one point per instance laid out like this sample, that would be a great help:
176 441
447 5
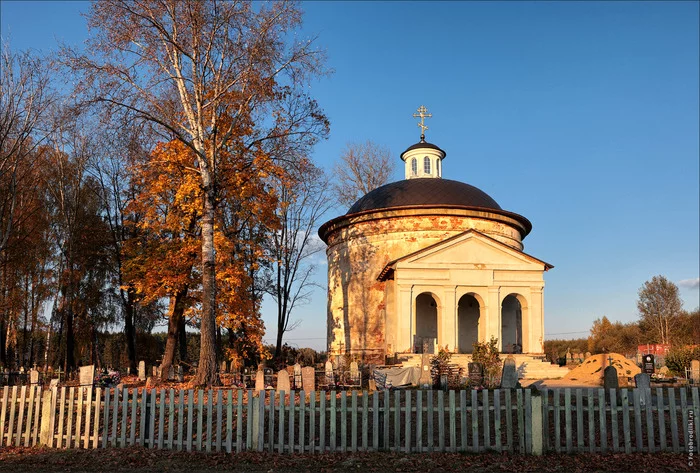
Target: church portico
429 261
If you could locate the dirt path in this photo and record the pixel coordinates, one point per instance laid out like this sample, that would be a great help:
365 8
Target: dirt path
144 460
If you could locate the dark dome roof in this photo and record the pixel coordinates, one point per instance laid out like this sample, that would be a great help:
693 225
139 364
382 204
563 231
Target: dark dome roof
424 191
424 144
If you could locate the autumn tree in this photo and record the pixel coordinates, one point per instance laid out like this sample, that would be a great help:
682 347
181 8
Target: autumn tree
161 257
123 147
216 76
303 202
362 168
614 337
80 237
659 306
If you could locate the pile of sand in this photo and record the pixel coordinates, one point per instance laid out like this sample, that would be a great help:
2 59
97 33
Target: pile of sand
591 370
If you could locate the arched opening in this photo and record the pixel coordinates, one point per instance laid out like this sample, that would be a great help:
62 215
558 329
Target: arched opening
414 167
511 325
426 323
426 165
467 323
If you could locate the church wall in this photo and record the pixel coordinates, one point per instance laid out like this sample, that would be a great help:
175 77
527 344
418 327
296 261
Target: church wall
358 304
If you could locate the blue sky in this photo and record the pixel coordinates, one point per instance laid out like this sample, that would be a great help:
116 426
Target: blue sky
581 116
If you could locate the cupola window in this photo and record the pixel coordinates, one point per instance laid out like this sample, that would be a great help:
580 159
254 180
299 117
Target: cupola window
426 165
414 166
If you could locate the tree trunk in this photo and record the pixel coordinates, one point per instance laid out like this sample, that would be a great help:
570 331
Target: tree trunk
182 335
69 364
176 314
130 329
207 373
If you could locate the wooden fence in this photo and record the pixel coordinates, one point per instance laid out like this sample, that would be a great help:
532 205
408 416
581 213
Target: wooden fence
521 421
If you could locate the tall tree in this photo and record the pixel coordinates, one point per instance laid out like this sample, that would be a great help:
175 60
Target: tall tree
303 202
25 98
362 168
659 306
214 75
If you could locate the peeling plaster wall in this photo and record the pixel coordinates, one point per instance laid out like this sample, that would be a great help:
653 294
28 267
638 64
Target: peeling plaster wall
359 248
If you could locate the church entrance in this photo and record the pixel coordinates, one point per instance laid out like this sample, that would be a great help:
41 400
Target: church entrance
511 325
426 323
467 323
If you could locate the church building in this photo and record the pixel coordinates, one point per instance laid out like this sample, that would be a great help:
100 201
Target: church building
428 262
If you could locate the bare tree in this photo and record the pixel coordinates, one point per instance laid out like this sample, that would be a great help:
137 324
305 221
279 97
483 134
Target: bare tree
303 202
659 306
215 75
362 168
24 100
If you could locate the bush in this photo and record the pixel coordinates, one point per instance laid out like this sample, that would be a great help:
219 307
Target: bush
488 355
678 359
440 365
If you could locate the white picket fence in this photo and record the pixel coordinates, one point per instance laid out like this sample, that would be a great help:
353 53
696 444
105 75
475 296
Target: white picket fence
522 421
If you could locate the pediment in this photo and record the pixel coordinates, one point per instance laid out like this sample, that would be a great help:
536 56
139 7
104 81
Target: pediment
468 250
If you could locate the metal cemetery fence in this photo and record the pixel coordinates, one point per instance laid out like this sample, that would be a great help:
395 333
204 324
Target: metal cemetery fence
522 421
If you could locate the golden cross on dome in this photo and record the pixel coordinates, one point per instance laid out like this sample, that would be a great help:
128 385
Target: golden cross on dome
422 114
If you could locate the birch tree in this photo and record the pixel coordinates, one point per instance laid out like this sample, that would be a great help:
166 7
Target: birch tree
214 75
659 306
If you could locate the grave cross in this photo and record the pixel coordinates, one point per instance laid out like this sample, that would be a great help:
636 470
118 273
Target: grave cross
422 114
610 360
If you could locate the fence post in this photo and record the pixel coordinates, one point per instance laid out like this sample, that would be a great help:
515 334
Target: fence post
536 427
46 407
254 420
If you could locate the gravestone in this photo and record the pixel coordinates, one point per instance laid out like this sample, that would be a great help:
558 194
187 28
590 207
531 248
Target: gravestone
297 376
695 371
223 367
308 379
476 374
330 377
86 375
154 372
260 380
642 381
142 370
283 381
648 364
180 374
53 383
425 378
509 375
610 378
354 369
33 377
171 372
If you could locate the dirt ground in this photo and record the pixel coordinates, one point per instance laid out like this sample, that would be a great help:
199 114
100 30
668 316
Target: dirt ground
142 460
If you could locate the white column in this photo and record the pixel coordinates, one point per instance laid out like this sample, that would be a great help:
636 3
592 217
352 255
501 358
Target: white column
493 322
449 319
404 319
536 321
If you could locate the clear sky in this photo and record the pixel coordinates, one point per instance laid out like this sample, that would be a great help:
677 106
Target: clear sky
581 116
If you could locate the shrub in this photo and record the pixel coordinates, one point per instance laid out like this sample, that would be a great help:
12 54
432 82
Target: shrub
488 355
678 359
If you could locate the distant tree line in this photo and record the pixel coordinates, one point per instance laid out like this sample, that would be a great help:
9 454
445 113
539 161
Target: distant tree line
662 320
